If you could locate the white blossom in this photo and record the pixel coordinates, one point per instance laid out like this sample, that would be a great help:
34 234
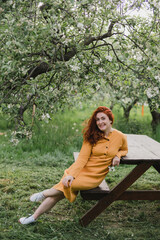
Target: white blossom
15 141
40 4
138 57
156 90
101 70
156 4
71 28
109 58
74 68
96 61
126 100
43 116
47 115
149 93
91 8
80 25
157 78
84 1
108 6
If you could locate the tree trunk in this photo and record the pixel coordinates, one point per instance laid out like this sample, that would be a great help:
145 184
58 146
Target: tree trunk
128 109
126 112
155 115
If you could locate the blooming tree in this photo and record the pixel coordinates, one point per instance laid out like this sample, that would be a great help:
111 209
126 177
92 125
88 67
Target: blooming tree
54 52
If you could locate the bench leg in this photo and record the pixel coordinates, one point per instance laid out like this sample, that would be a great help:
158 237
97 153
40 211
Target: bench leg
157 166
115 193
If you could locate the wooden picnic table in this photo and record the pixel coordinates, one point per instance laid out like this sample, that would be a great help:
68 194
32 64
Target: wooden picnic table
143 152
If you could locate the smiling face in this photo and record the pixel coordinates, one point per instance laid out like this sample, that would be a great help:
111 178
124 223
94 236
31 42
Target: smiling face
103 122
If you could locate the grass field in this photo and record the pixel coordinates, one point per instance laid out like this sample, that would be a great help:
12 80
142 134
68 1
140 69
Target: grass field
36 164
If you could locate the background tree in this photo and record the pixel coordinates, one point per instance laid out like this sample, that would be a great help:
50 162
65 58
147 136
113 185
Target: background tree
54 52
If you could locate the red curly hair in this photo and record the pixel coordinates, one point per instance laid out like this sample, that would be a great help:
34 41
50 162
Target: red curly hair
91 132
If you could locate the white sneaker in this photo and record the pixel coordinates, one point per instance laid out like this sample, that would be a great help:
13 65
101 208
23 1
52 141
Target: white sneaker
27 220
36 197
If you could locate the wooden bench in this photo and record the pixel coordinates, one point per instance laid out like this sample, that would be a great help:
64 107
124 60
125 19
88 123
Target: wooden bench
143 152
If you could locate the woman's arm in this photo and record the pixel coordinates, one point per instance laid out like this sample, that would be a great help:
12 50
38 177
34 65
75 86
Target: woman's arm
115 161
67 181
81 161
122 152
124 148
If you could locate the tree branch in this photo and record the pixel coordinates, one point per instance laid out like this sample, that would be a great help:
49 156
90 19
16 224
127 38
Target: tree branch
44 67
136 44
101 37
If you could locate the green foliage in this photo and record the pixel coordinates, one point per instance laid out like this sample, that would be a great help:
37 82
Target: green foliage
137 124
61 134
61 52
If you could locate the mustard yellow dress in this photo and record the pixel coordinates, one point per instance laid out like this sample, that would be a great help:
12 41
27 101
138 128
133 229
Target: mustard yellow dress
92 164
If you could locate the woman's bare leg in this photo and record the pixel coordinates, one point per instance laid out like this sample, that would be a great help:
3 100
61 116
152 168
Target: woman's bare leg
52 196
48 203
52 192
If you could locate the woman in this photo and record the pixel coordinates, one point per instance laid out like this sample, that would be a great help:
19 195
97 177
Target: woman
102 146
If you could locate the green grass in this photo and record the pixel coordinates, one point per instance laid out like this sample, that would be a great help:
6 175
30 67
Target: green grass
122 220
37 164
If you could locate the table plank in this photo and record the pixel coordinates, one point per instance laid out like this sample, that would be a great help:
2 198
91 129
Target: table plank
145 141
142 147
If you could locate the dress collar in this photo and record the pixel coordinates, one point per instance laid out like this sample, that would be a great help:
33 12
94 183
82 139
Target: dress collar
112 129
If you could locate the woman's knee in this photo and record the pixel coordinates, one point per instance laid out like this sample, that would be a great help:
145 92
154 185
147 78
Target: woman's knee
54 199
59 197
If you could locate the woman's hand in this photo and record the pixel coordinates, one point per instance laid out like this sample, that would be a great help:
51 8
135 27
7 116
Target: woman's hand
67 181
116 161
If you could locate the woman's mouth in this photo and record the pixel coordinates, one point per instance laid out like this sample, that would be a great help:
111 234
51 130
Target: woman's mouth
102 126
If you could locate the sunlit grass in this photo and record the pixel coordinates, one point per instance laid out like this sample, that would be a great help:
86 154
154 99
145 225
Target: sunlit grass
36 164
122 220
